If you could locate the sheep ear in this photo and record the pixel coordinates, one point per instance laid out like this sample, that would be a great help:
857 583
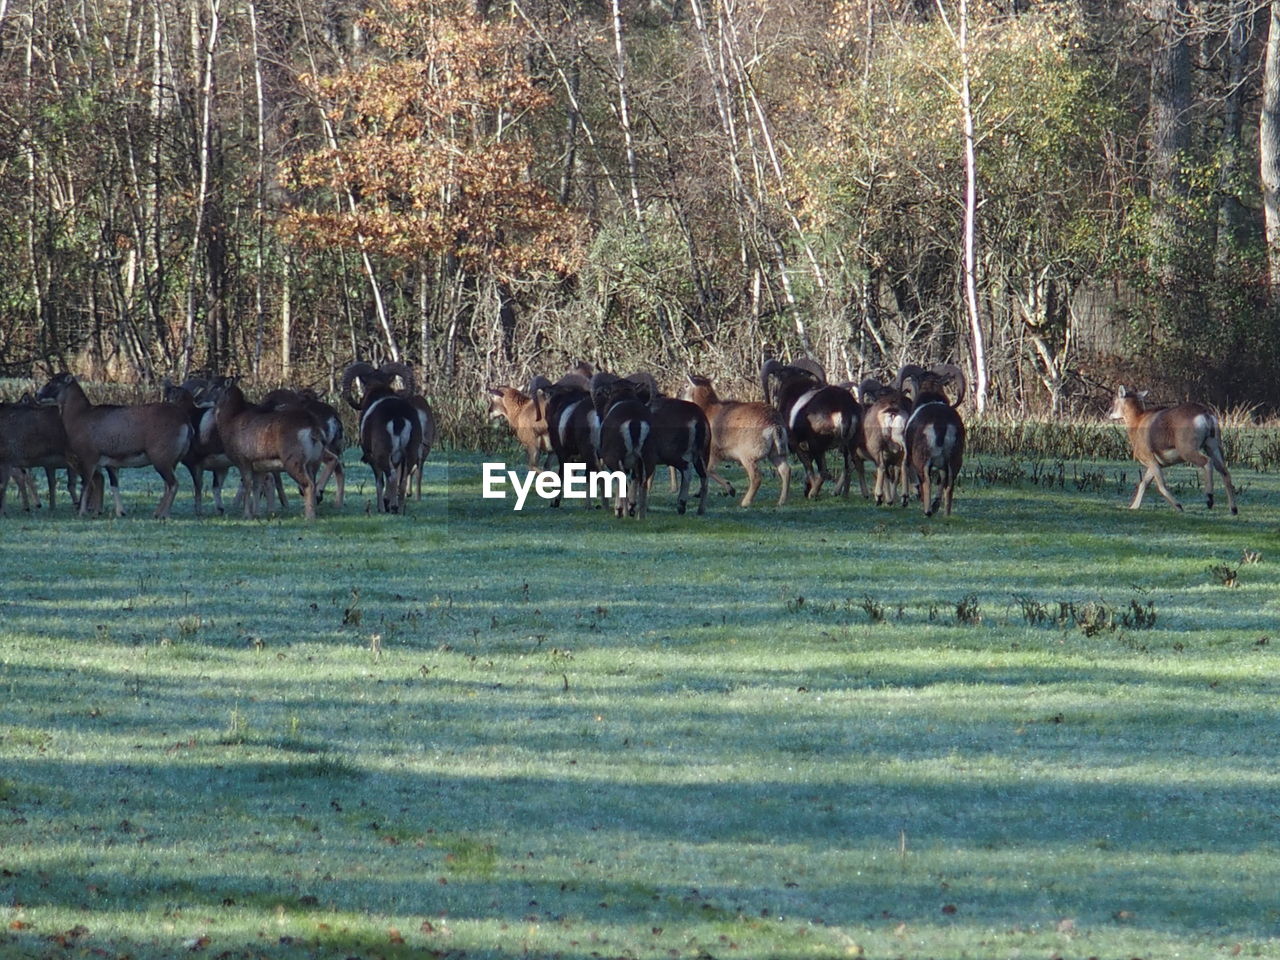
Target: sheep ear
1143 395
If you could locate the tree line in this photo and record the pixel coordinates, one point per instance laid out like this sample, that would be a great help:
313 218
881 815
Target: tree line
1054 194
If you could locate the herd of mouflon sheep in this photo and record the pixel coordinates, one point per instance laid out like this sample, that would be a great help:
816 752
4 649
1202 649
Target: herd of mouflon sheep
594 424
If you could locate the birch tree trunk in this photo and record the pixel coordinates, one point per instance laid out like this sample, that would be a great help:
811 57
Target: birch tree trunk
971 221
1269 150
205 45
624 115
260 193
977 340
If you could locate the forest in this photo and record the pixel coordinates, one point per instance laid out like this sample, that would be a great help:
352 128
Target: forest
1056 195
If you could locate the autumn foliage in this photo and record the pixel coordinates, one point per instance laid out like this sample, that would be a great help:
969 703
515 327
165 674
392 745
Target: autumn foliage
427 152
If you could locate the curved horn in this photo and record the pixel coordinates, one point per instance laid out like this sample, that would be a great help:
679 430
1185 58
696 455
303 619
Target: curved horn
537 385
355 371
771 368
909 372
393 368
597 381
812 366
646 380
949 372
869 390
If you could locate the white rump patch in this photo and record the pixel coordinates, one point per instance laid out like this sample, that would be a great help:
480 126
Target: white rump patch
565 417
374 406
798 406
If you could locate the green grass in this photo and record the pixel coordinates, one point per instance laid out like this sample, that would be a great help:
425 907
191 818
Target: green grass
1045 726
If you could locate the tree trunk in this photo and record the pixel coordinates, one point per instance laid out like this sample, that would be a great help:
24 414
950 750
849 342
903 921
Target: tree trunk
1170 109
977 338
624 115
1269 150
203 46
978 343
1231 212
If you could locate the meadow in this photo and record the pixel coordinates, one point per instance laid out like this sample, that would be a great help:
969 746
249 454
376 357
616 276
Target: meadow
1045 726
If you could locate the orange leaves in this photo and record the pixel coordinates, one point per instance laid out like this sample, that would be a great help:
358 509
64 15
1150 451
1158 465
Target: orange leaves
426 153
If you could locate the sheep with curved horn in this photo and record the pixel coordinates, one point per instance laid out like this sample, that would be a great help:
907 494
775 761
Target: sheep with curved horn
1163 436
681 440
390 432
625 441
573 425
819 418
934 435
426 418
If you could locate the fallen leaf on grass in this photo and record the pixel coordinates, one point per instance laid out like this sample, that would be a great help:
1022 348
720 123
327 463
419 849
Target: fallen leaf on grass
68 938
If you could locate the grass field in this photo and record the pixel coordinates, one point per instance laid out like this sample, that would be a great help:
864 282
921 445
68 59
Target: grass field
1044 727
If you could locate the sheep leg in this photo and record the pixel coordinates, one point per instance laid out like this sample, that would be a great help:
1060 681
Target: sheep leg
249 484
862 474
753 481
51 479
815 473
948 491
340 483
219 477
197 486
328 470
842 487
1217 462
306 480
402 490
1158 477
726 487
701 468
642 493
26 488
170 492
682 496
91 492
115 494
784 474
